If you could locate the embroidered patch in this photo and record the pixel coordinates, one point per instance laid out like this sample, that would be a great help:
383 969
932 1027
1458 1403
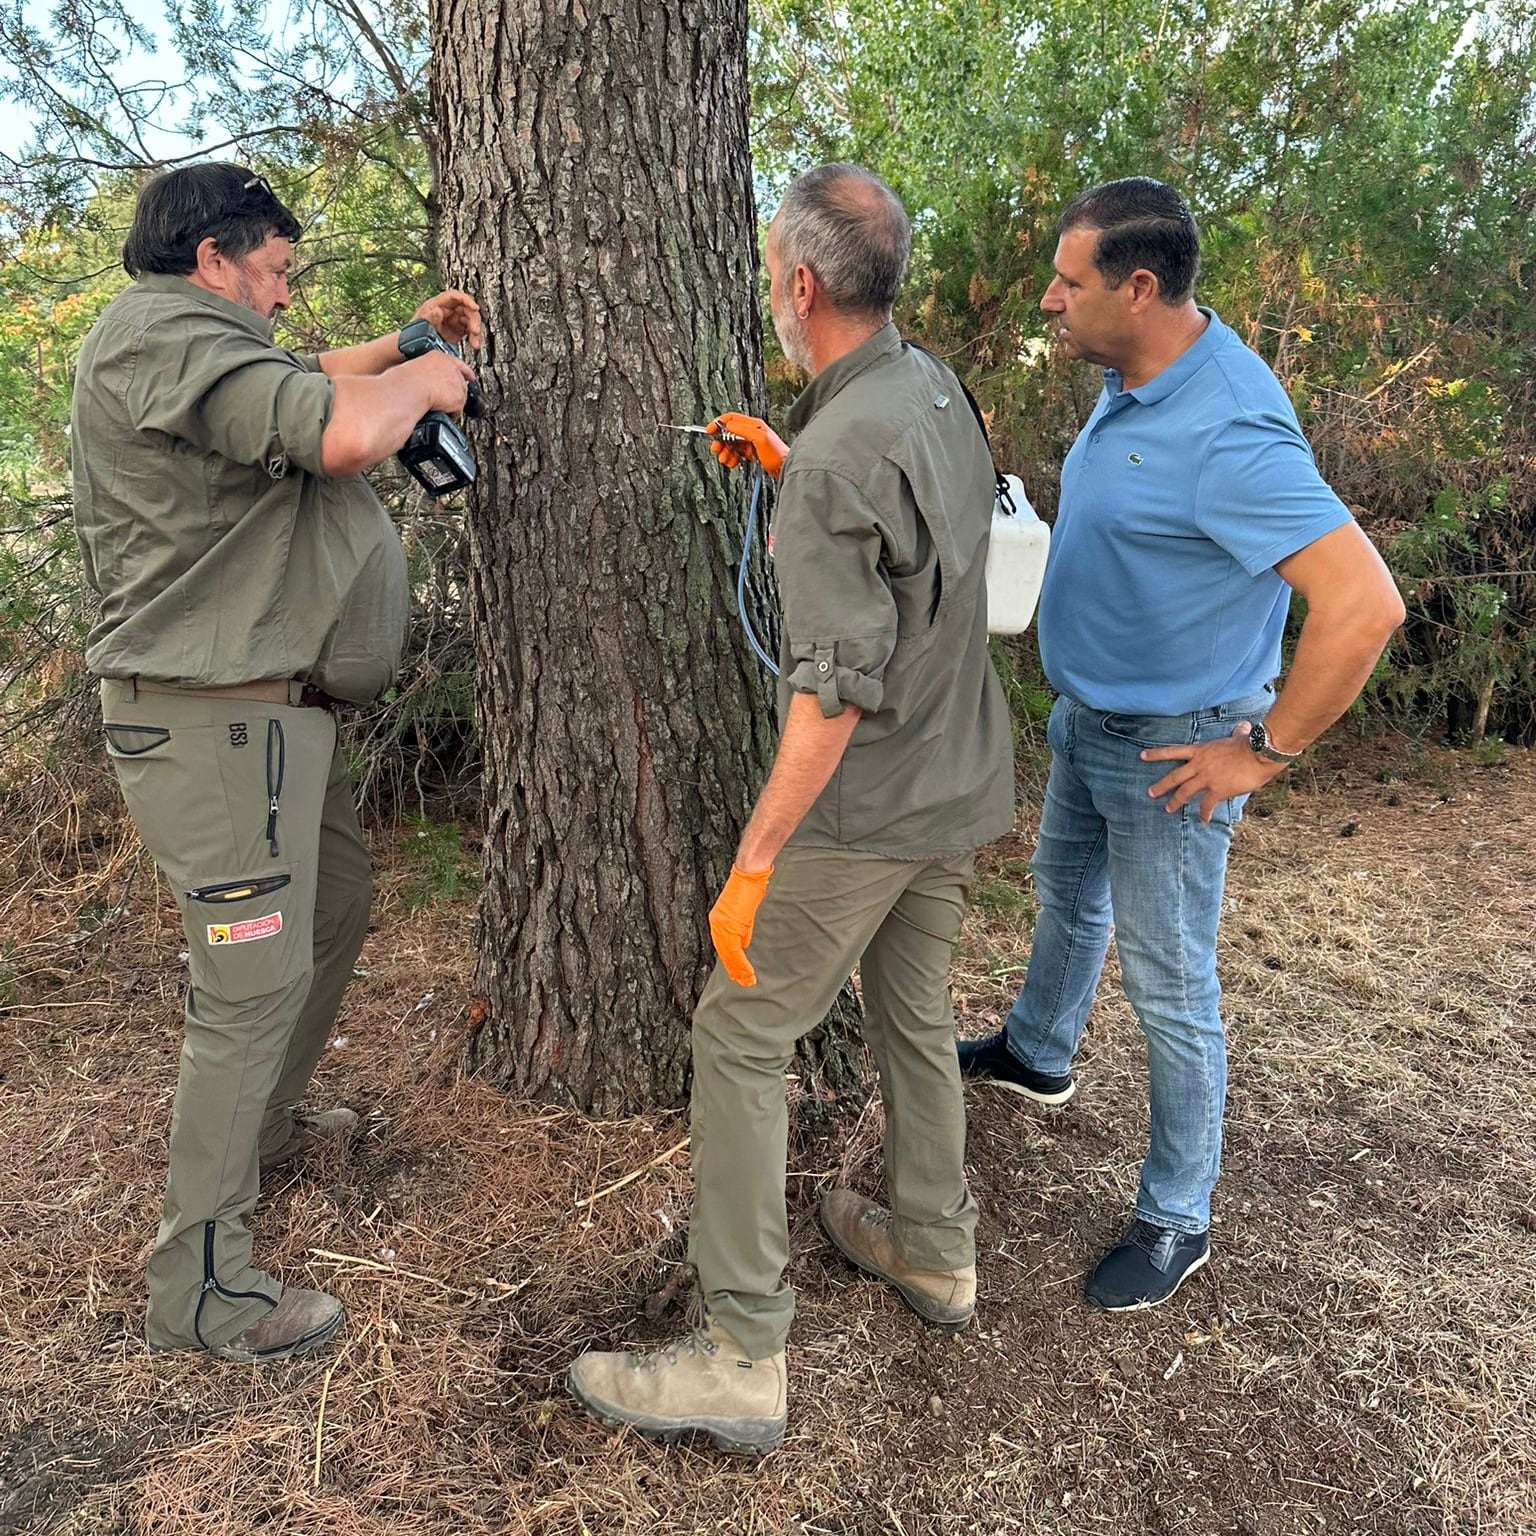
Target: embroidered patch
1133 458
243 933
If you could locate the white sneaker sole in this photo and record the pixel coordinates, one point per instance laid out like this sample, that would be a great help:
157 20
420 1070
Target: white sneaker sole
1049 1100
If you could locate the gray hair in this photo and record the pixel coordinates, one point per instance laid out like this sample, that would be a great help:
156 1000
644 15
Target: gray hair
850 229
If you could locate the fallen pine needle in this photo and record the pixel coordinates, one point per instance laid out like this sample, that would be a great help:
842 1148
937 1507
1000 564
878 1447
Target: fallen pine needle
358 1262
629 1178
325 1388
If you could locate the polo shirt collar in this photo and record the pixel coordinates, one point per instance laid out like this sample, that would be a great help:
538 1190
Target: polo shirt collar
886 342
1183 368
166 282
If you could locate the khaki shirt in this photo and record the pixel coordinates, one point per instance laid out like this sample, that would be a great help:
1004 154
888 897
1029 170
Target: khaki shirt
880 543
221 551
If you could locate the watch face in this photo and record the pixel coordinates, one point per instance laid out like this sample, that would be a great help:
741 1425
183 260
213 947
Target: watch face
1256 737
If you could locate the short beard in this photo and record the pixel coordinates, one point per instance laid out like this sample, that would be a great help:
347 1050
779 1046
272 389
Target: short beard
790 329
245 293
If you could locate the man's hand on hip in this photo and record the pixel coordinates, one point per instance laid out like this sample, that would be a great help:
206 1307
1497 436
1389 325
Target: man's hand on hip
1213 770
455 315
758 441
731 919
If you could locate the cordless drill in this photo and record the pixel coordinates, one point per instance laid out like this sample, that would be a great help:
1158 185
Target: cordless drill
436 455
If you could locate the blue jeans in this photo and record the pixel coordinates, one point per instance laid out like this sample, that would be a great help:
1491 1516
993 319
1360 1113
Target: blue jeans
1109 853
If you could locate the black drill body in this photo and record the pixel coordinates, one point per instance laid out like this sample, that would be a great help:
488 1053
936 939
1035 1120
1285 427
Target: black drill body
436 455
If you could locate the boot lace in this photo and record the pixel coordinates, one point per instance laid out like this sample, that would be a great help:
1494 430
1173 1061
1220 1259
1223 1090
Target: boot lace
877 1217
696 1342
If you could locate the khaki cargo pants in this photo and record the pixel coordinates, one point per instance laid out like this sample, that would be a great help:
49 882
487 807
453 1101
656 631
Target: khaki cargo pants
825 912
247 810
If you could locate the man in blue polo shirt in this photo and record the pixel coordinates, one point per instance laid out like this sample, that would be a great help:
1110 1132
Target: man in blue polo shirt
1191 508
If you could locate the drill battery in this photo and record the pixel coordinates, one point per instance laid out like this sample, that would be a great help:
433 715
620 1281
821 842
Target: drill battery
436 455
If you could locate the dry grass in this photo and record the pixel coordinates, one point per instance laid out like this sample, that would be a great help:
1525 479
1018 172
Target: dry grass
1361 1356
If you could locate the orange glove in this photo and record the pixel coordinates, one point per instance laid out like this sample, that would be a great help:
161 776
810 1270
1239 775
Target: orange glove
759 441
730 922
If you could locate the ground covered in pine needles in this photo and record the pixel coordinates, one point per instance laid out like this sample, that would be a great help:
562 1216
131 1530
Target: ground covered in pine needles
1359 1357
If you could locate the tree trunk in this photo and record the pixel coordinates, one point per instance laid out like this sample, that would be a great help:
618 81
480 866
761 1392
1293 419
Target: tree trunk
597 199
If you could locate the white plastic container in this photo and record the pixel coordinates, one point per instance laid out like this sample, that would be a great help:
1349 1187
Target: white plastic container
1015 562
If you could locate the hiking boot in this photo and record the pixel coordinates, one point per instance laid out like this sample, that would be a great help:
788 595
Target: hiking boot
702 1381
301 1321
310 1131
861 1230
1148 1266
989 1060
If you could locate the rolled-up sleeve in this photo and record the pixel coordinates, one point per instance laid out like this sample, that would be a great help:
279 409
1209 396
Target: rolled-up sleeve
226 391
839 615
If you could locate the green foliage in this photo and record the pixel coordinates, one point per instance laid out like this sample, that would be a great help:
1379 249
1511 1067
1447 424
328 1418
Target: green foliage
1363 170
1006 894
1490 752
442 870
1365 179
326 90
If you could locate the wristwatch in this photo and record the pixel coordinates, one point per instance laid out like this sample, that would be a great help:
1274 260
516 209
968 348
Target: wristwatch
1258 739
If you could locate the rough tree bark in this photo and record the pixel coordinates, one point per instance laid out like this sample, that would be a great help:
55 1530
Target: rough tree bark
597 199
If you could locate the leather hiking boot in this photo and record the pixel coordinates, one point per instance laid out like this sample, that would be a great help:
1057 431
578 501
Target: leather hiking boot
301 1321
702 1381
861 1231
310 1131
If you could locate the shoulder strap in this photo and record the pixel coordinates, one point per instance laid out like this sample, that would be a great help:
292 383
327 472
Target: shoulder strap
1004 496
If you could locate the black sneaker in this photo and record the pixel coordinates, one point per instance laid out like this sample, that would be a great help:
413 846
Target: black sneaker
989 1060
1149 1265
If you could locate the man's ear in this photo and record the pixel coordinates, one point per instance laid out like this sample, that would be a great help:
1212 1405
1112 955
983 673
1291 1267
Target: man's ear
210 260
1145 290
802 290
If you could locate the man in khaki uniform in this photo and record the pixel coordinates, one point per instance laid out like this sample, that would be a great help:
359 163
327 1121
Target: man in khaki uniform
894 765
249 579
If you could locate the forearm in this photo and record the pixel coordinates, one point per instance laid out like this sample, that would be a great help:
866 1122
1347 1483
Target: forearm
1335 654
809 751
370 419
1353 606
366 360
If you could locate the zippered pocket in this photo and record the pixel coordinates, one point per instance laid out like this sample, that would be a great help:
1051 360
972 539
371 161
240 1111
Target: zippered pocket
247 937
239 890
277 758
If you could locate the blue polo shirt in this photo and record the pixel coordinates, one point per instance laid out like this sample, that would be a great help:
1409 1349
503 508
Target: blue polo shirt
1177 501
